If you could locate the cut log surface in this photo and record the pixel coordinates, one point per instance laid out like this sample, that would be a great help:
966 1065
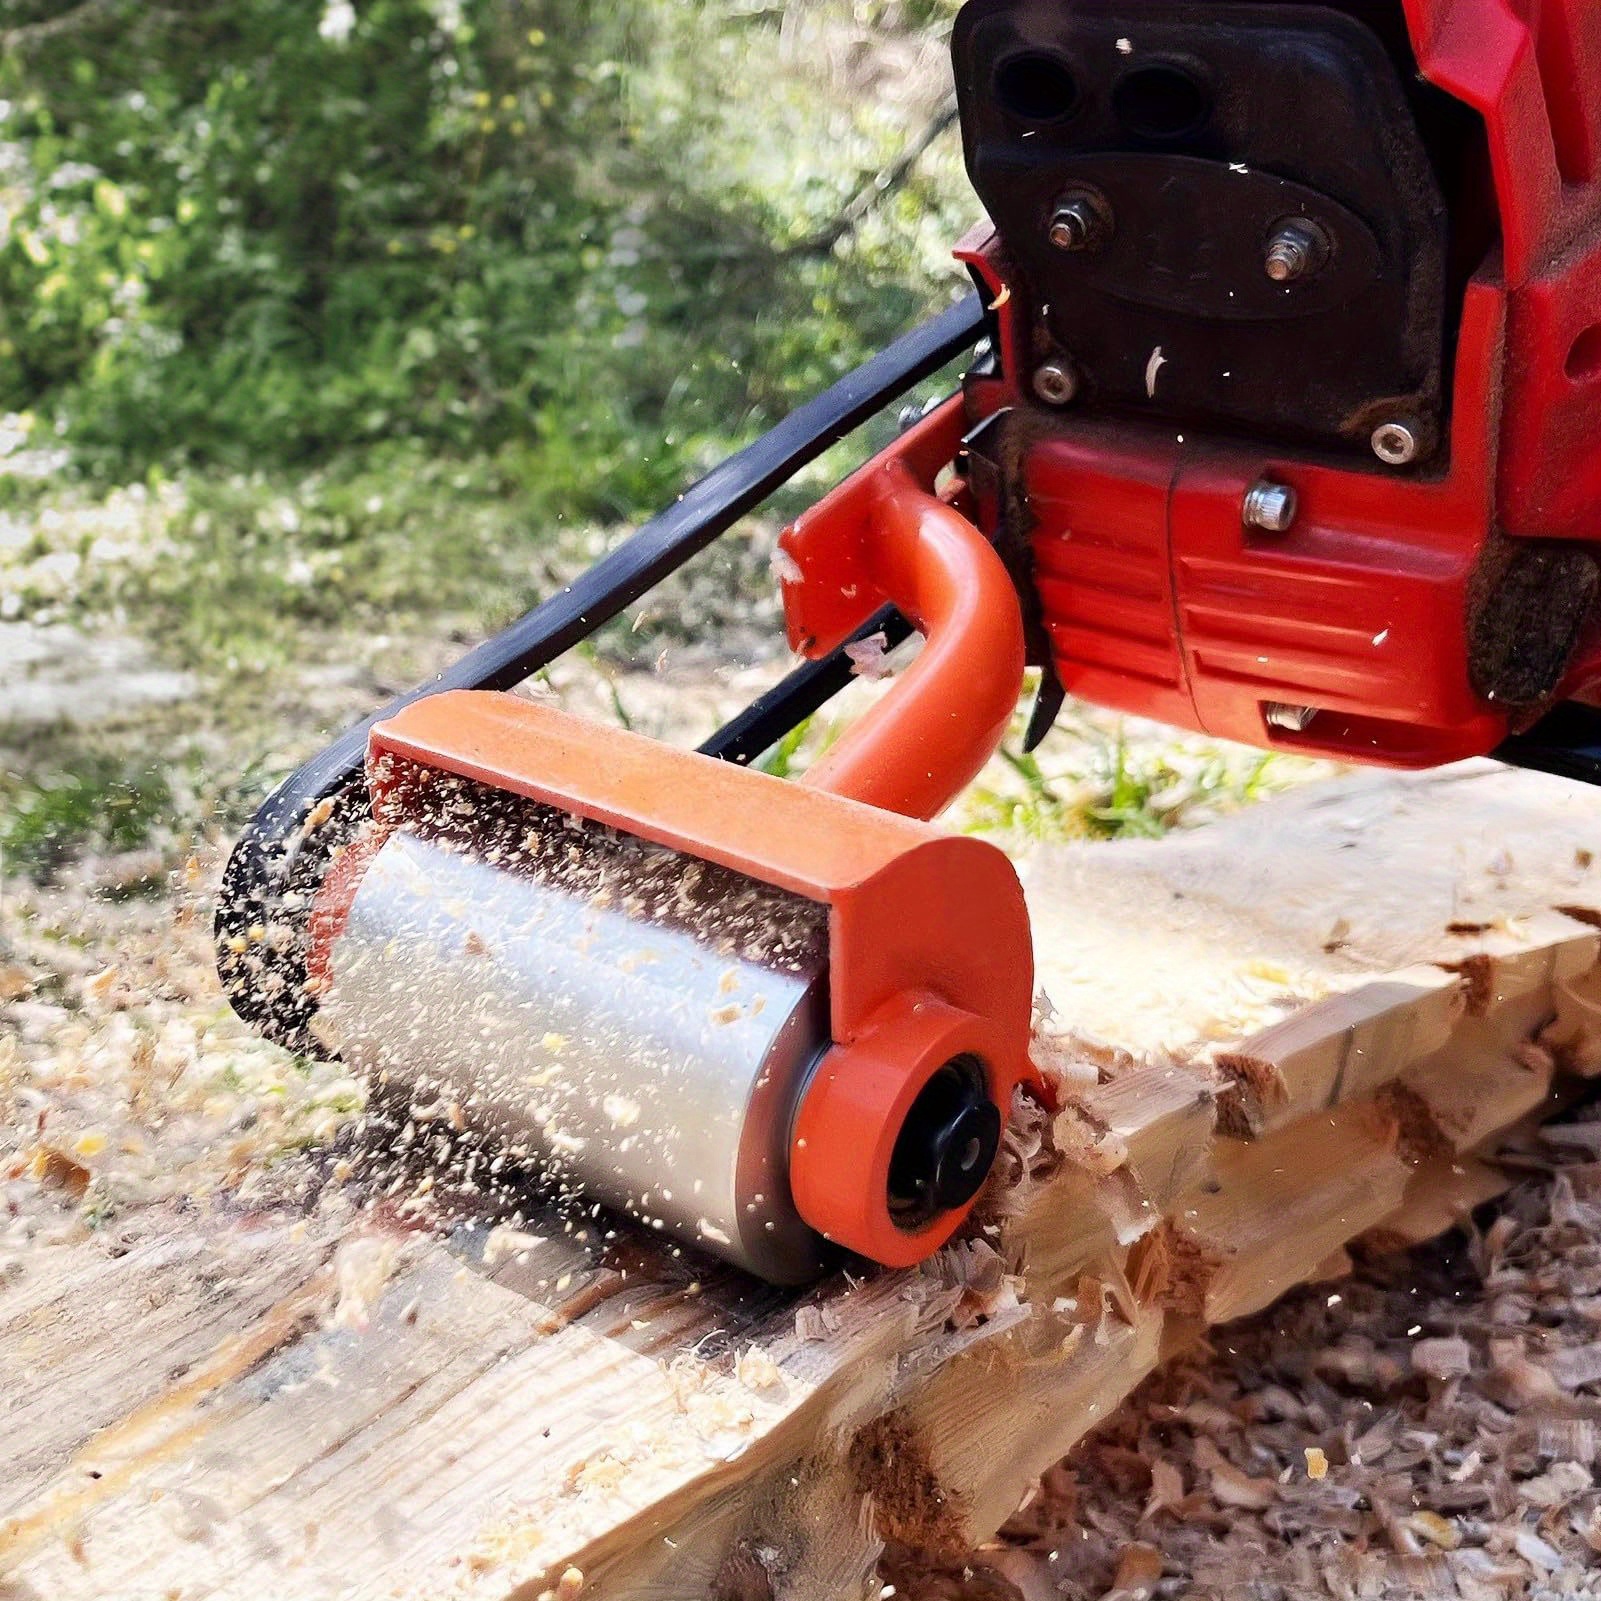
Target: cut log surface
1302 1025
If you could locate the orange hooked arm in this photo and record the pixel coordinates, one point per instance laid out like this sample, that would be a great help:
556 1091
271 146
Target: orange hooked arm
885 535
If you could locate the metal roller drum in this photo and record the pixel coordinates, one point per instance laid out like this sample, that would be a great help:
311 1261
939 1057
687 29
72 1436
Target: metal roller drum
639 1022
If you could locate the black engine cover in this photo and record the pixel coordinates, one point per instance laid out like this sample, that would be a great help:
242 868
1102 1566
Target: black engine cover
1198 131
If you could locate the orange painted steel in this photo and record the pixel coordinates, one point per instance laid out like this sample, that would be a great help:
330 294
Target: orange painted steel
930 956
884 535
848 1119
911 909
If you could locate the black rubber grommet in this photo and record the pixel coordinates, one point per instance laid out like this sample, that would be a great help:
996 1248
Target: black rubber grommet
946 1146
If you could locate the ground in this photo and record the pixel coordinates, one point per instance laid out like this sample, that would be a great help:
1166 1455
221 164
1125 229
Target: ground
1431 1425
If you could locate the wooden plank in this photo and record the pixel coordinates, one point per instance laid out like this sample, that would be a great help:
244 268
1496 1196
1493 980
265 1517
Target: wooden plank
1273 1210
495 1416
1337 1048
65 1374
1573 1036
1439 1195
1126 1151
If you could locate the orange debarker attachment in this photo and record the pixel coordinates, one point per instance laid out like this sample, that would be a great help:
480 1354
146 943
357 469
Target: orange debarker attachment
929 957
885 535
929 971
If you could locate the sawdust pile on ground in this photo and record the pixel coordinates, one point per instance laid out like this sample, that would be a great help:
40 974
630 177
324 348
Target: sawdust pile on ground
124 1077
1429 1427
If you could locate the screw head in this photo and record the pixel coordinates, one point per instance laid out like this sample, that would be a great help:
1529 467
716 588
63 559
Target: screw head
1055 383
1081 221
1286 259
1395 443
1269 506
1297 249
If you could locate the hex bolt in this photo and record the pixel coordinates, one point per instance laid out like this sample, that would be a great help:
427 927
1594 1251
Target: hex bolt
1055 383
1297 249
1081 221
1291 718
1269 506
1395 443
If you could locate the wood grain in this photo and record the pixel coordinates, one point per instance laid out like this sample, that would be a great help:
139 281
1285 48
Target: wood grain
1299 1026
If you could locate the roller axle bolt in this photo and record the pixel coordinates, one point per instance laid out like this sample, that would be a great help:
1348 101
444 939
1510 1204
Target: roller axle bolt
1081 221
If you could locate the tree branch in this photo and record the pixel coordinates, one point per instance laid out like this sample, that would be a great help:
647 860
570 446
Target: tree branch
883 185
26 35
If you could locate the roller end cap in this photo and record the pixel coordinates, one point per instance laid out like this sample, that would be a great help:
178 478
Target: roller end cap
946 1146
897 1131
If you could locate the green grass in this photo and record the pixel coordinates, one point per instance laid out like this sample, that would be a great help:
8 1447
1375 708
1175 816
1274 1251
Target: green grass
1104 786
245 568
98 803
780 760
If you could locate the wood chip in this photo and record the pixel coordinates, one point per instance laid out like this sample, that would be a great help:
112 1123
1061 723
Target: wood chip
53 1169
1139 1571
361 1269
1230 1486
1576 1366
814 1321
1167 1489
757 1370
1438 1531
1448 1358
1537 1552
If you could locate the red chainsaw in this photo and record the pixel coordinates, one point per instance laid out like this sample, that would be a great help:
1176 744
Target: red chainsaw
1282 422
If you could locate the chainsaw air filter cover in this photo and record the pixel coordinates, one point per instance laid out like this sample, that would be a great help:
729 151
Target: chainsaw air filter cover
1222 213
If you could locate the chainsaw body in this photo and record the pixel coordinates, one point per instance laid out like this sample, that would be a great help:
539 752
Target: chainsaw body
1300 317
1284 429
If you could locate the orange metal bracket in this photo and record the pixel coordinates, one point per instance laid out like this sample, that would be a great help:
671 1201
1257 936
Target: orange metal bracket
885 535
930 957
929 948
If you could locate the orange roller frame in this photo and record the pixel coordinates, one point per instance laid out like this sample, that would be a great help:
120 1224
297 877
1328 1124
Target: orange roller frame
929 948
930 957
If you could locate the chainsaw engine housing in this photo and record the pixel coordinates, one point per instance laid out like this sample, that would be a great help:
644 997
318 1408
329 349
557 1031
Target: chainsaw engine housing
1267 281
1193 136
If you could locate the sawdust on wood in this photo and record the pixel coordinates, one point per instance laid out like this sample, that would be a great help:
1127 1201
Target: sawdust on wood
889 1462
1428 1427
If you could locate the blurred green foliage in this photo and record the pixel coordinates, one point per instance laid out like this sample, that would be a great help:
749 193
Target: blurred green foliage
94 800
584 238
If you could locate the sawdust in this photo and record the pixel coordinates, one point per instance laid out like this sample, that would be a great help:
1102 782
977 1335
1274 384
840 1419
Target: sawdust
124 1078
1172 1268
1430 1426
1478 981
1253 1087
889 1462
